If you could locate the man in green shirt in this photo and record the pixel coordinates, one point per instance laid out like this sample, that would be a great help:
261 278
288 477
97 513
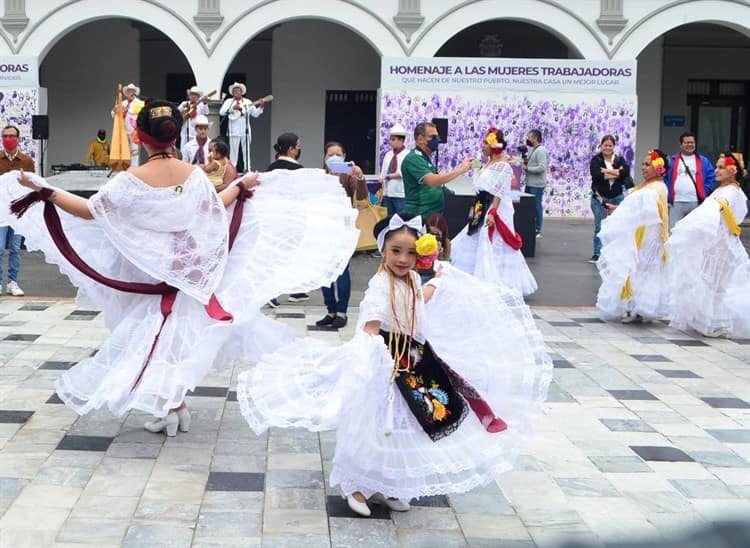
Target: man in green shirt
422 183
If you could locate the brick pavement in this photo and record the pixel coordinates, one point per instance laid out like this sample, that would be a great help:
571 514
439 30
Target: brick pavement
646 433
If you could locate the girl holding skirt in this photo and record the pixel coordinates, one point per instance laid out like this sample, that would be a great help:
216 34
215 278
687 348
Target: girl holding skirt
434 393
489 246
709 270
633 258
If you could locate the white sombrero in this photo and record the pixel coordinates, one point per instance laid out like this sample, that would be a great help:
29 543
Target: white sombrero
132 86
195 90
397 130
201 120
237 85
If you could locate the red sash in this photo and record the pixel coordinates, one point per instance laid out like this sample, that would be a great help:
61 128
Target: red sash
698 184
513 239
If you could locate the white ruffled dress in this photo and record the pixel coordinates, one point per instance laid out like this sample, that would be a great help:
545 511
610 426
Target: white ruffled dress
484 332
179 235
709 270
633 260
494 261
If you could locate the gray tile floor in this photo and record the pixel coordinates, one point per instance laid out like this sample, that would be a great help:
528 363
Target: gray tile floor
646 434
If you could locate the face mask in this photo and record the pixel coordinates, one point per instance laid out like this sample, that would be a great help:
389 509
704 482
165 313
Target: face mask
10 143
529 143
433 143
334 160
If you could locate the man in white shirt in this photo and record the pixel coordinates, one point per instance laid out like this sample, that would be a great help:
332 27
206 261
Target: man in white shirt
130 108
191 109
238 110
394 197
689 179
195 151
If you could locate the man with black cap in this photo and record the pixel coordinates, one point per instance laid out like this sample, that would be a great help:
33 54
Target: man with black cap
98 150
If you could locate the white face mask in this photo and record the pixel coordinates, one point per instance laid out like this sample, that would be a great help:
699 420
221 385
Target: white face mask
335 159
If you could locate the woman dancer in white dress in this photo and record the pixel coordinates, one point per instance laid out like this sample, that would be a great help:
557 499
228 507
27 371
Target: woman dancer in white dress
633 261
180 270
709 270
426 398
488 246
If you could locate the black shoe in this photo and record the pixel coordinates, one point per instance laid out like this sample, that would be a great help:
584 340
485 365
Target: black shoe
326 320
298 297
274 303
338 322
593 259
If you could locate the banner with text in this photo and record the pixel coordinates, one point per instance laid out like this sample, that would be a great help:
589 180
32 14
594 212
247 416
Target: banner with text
574 103
19 72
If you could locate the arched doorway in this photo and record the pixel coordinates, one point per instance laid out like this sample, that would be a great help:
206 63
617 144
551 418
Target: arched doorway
82 70
507 38
325 92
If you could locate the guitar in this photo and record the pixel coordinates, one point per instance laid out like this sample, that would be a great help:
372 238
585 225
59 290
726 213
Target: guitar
190 110
234 114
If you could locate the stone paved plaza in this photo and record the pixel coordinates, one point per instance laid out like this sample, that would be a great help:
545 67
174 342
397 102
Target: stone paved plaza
646 434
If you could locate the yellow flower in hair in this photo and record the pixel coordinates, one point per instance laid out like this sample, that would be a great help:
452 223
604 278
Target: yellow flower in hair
491 139
427 245
658 162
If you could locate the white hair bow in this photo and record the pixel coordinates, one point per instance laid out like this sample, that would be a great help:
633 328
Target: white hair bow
397 222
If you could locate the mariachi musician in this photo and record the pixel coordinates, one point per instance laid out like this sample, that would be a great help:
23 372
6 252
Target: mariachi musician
238 110
129 109
192 108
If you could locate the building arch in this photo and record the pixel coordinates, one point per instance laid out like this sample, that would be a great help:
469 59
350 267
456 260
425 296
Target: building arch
556 19
369 26
733 14
45 32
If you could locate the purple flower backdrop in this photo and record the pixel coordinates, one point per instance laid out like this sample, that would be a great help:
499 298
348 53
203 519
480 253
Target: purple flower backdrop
571 126
16 108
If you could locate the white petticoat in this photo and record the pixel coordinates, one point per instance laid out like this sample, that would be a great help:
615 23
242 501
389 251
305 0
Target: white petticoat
297 234
621 260
498 350
709 270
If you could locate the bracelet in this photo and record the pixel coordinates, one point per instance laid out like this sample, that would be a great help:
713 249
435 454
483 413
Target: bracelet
434 282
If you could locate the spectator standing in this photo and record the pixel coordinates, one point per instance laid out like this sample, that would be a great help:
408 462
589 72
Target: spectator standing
536 173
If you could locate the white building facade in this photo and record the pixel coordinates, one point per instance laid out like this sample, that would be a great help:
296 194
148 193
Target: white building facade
321 58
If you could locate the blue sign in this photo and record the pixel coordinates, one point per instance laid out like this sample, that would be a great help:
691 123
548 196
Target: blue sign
671 120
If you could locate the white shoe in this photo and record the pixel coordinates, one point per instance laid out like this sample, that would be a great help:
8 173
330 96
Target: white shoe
14 289
167 424
357 507
397 505
183 418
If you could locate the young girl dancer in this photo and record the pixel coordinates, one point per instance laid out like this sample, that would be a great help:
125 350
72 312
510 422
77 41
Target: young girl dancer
434 393
633 258
489 247
180 279
709 270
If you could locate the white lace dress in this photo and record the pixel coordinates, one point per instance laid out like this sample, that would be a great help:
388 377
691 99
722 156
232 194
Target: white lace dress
178 235
633 260
709 270
494 261
498 350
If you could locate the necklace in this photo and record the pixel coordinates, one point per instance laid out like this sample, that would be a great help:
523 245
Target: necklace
160 156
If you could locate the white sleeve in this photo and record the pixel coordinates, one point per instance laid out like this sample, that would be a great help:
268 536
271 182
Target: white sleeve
224 110
386 162
254 111
496 179
203 109
375 304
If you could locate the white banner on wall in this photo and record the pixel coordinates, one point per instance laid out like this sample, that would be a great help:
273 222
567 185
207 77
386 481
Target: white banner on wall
573 103
560 75
19 72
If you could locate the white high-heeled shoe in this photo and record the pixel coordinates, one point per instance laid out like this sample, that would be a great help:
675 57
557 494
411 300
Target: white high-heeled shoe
183 416
168 424
360 508
397 505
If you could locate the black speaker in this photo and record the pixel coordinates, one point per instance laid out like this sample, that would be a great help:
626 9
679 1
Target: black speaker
40 126
441 124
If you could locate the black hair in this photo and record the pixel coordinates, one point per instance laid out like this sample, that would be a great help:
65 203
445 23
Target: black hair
221 147
421 128
383 224
499 135
18 133
537 135
286 141
165 127
688 134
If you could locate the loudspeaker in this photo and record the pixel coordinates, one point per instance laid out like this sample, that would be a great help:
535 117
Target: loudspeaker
40 126
441 124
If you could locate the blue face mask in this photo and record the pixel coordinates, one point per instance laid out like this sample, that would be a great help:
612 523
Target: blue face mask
433 143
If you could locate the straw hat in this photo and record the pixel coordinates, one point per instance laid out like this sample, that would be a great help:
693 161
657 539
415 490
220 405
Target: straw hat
237 85
397 130
132 86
